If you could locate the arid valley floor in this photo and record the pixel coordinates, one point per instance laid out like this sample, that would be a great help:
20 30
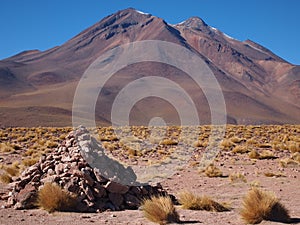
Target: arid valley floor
266 157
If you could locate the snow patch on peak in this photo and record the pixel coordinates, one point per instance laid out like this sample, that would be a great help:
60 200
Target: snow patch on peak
214 29
229 37
181 23
220 32
143 13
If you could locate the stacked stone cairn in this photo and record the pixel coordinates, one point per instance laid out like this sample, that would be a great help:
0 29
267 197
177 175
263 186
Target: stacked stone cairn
106 185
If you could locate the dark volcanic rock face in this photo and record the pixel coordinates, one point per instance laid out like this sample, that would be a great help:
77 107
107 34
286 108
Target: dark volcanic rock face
243 69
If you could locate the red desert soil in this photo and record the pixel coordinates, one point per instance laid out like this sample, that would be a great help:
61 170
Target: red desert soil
284 183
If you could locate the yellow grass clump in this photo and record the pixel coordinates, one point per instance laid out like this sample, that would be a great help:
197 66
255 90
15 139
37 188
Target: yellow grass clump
160 209
267 154
213 171
12 170
271 174
191 201
6 147
236 140
237 177
52 197
261 205
240 149
254 154
168 142
5 178
294 147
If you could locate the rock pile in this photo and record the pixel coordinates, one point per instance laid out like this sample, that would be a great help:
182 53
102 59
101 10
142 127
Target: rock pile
106 185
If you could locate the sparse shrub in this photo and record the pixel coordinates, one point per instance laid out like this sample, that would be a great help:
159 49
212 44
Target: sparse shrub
267 154
5 147
12 170
160 209
16 146
52 197
260 205
51 144
198 144
240 149
294 147
5 178
168 142
251 142
191 201
227 143
296 157
237 177
271 174
29 152
288 162
213 171
236 140
132 152
254 154
29 161
255 184
265 145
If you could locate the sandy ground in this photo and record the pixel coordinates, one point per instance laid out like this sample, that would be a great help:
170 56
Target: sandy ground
222 189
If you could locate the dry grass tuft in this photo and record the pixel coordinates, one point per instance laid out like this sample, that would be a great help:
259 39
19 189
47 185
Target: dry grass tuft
236 140
260 205
296 157
12 170
52 197
294 147
190 201
160 209
227 144
168 142
240 149
5 178
254 154
213 171
6 147
29 161
271 174
267 154
237 177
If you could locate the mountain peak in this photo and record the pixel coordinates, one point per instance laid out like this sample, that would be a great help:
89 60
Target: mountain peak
194 22
132 12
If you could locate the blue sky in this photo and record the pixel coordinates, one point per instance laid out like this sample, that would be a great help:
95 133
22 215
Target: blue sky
42 24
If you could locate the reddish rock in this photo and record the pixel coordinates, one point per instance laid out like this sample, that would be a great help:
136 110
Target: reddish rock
89 193
132 201
99 190
69 169
114 187
116 199
87 177
59 168
26 198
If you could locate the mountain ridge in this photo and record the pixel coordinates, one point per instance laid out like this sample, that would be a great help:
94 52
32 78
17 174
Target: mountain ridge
245 70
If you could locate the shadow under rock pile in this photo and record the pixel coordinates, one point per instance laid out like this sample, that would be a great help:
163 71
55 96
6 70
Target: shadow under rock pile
70 167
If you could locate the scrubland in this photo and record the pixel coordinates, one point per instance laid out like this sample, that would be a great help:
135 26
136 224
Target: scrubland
255 172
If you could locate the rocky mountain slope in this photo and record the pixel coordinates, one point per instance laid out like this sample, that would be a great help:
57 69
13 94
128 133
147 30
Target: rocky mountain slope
37 88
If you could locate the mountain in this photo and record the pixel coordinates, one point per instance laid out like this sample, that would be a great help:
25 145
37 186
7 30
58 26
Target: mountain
37 87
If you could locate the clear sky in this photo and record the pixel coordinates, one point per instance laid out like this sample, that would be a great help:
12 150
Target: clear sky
42 24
